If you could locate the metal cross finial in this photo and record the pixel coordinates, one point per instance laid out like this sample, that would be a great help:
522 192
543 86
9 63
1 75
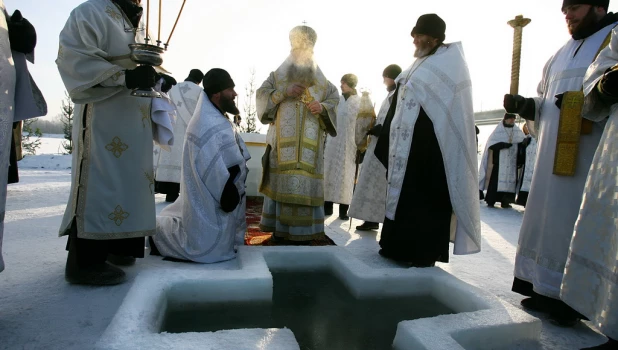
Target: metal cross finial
304 23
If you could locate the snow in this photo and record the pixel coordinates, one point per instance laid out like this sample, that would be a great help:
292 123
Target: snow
38 309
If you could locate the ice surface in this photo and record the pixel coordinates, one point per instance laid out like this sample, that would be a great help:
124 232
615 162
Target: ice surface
39 310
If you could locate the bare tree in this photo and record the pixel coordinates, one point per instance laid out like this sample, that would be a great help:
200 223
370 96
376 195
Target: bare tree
68 109
249 105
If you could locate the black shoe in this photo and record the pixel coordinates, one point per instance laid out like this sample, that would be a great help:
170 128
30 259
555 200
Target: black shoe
95 275
505 205
367 226
490 205
344 218
564 321
120 260
533 304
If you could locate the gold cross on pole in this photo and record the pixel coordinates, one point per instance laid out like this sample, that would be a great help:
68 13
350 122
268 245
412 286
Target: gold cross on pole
518 25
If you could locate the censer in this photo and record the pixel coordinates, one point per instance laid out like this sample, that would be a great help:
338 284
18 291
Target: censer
151 55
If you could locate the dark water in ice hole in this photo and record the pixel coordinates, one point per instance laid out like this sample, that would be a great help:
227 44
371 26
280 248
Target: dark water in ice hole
318 309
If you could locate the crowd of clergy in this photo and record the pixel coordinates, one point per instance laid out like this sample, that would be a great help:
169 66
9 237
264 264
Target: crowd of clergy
413 167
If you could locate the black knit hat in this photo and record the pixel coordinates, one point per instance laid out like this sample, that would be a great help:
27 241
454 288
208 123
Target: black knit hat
195 75
217 80
350 79
601 3
430 24
510 116
392 71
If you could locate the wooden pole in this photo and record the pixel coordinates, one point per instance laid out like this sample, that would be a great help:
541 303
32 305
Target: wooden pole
518 25
17 136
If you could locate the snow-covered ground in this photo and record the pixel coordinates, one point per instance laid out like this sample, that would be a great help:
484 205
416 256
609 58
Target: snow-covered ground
39 310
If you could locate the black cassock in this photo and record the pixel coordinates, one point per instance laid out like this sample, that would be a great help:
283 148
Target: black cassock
493 195
420 232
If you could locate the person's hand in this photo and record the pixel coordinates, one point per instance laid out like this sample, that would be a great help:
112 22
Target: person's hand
375 131
609 83
315 107
142 77
22 34
559 99
168 82
513 103
295 90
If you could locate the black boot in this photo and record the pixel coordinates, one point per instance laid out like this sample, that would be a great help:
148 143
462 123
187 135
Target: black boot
86 263
367 226
120 260
328 208
171 197
343 211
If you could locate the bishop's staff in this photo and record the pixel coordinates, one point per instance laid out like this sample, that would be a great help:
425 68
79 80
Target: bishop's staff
518 25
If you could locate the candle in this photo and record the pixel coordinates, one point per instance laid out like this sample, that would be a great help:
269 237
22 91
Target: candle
159 34
174 27
147 19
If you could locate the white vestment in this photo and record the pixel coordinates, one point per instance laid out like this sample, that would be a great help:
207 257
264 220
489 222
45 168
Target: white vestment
340 154
112 182
20 99
167 163
526 180
7 100
554 201
441 85
369 200
195 227
507 173
590 283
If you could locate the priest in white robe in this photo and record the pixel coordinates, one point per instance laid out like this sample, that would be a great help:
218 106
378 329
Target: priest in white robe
498 171
167 163
299 104
20 98
111 206
369 199
527 155
559 175
207 220
428 147
340 151
590 282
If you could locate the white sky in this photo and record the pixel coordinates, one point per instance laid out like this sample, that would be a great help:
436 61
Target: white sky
360 37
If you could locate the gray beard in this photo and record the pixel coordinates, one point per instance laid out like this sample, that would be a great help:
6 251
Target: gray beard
302 74
420 53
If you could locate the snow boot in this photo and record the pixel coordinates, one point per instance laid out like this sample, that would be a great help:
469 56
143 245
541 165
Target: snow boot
368 226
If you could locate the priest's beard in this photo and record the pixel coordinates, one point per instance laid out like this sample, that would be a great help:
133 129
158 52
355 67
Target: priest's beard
228 105
302 69
508 124
587 23
423 49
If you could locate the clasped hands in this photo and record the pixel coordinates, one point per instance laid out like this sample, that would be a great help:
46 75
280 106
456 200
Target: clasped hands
296 90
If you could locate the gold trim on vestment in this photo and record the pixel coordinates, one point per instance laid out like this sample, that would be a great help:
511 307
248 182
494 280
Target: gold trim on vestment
292 198
569 131
303 119
571 126
255 143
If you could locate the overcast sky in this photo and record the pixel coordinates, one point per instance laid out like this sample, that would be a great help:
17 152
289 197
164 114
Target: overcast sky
360 37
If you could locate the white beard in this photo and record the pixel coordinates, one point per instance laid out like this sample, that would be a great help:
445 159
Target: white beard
422 52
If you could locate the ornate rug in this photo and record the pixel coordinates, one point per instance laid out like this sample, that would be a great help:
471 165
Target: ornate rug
255 236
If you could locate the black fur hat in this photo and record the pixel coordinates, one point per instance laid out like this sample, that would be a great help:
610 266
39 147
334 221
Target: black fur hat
430 24
392 71
601 3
